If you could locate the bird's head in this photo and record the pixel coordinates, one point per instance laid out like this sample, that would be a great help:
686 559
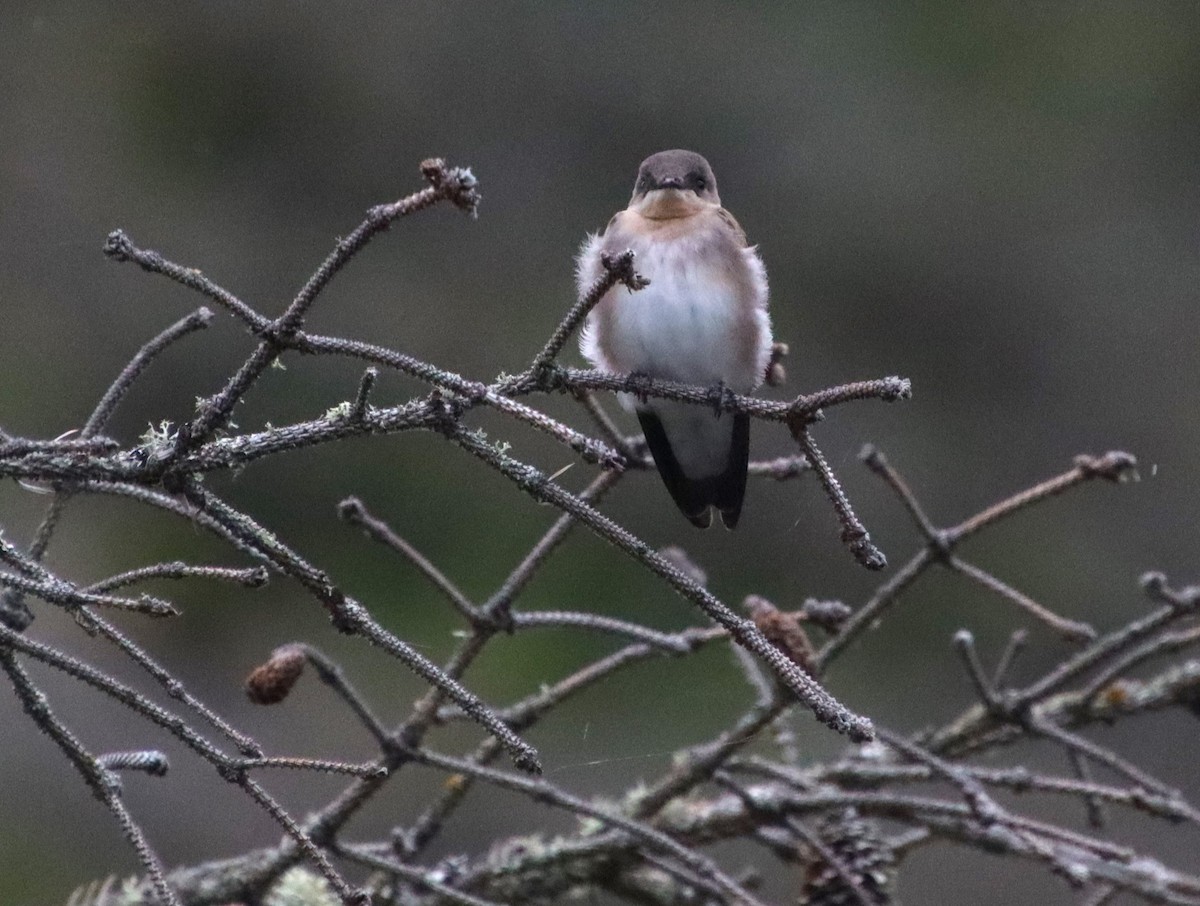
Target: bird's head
674 184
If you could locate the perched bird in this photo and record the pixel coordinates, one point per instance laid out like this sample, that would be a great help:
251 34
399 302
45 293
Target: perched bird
702 320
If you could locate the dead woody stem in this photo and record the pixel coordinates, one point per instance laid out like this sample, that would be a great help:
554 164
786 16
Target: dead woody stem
845 824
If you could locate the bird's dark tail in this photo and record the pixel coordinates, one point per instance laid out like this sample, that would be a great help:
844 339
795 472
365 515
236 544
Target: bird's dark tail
725 491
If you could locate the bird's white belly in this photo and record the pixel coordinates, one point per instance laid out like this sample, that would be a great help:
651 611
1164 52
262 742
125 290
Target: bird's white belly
683 326
702 320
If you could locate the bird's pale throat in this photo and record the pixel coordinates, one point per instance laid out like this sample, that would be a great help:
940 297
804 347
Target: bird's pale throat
668 204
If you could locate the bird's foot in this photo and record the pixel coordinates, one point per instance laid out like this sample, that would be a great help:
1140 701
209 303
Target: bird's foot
720 397
639 383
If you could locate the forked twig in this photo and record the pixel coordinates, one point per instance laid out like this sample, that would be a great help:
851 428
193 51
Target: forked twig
648 845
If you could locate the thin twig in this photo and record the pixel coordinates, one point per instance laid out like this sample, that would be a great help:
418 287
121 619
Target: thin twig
1113 466
350 616
1095 808
964 644
1069 629
353 511
146 761
98 778
566 619
321 766
119 247
1012 650
884 597
801 409
854 533
171 684
874 460
617 269
68 596
827 709
656 831
1111 644
499 603
358 408
99 418
422 877
446 184
332 675
251 577
545 792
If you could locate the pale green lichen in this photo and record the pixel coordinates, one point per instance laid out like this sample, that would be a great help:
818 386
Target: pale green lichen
301 886
158 439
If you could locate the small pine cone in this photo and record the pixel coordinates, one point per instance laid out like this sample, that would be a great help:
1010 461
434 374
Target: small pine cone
858 844
783 630
270 682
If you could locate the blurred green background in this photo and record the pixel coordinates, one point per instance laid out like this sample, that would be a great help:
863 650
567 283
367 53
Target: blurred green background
998 201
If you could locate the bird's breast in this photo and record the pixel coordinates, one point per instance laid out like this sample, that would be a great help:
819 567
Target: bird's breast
690 323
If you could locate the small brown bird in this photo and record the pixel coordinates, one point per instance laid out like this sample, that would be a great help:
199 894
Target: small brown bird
702 320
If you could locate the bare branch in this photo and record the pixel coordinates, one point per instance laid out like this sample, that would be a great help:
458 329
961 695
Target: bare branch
1070 629
251 577
354 512
617 269
103 784
824 706
854 533
545 792
821 818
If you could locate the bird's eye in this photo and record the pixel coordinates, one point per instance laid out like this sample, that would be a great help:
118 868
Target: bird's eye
699 182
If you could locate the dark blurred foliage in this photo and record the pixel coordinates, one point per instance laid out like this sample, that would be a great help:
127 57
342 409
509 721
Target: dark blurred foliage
999 201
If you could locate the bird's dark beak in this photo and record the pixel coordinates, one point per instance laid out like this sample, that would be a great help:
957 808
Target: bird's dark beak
670 182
